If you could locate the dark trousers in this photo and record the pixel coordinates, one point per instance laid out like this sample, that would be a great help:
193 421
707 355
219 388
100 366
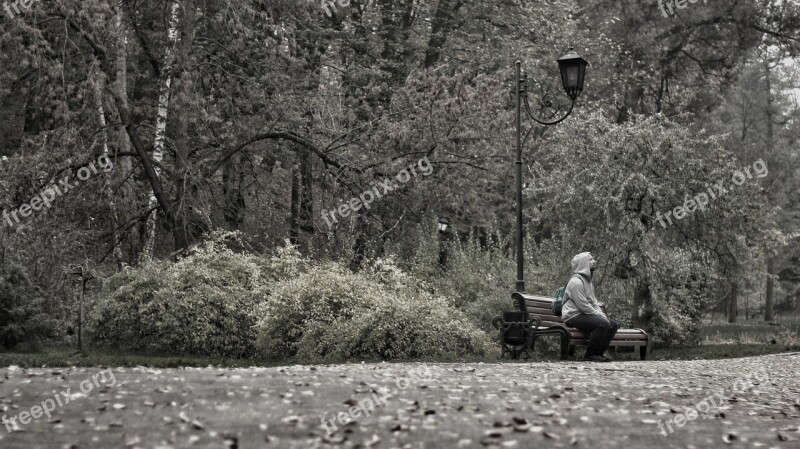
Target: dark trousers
599 329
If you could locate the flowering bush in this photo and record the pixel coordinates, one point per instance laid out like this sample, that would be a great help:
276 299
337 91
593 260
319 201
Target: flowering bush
202 304
330 312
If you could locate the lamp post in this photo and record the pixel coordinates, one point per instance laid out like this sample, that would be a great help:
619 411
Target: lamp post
443 224
573 71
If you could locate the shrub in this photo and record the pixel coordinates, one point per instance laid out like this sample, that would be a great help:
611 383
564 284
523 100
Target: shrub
481 277
203 304
331 313
21 307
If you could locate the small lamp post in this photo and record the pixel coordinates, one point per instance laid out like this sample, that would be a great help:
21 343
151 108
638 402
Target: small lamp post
83 276
443 225
573 73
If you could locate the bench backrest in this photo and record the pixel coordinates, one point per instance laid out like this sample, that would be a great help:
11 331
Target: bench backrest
537 306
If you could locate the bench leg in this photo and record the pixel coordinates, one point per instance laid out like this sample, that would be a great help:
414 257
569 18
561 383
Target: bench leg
571 350
643 352
564 345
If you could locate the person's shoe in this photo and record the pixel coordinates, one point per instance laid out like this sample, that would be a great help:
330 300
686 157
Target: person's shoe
607 358
594 358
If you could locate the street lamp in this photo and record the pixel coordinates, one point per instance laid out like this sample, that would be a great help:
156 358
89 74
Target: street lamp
573 72
443 236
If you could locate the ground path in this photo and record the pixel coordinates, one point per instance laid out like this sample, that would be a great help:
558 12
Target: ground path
747 402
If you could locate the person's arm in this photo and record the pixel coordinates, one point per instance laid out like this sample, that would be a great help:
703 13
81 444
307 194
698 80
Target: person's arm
578 297
601 307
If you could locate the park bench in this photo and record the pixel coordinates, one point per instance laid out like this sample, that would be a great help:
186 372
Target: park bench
539 307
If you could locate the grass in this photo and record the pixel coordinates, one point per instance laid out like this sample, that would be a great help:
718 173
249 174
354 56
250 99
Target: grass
710 352
720 340
547 348
63 356
60 356
784 330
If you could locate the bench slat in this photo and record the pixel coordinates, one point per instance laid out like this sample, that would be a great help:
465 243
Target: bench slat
552 324
627 343
539 310
547 317
617 337
540 304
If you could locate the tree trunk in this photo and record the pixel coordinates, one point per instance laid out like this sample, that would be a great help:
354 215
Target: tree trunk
180 230
770 300
769 303
633 103
643 307
307 194
164 82
127 192
294 208
733 304
232 185
107 183
443 23
747 302
360 246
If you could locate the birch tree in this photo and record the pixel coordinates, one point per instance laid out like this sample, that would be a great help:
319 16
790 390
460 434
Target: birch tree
164 82
97 81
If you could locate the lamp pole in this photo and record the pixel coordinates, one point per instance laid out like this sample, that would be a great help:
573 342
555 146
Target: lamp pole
518 237
573 70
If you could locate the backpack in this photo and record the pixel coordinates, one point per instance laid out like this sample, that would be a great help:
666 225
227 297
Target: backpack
559 298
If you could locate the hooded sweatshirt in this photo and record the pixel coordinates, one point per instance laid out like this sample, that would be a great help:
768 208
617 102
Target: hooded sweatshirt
579 295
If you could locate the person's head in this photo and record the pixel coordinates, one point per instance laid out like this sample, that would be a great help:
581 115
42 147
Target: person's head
584 263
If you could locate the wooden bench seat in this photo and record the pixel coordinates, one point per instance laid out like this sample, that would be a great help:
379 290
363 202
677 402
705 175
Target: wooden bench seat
539 306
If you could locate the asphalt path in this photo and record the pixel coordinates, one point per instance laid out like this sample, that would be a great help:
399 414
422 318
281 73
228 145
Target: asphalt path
747 402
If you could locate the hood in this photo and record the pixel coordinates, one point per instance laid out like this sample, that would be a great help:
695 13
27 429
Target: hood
580 265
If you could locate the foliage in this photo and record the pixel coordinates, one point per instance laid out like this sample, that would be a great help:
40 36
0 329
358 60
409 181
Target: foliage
330 312
22 317
203 304
262 138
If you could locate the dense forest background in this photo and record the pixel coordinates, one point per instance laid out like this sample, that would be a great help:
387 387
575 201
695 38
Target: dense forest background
225 133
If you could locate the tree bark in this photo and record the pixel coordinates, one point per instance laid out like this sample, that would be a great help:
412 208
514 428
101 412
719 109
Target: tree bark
107 184
360 246
307 194
770 299
633 99
643 307
733 304
180 231
443 23
165 82
769 304
232 184
126 189
294 208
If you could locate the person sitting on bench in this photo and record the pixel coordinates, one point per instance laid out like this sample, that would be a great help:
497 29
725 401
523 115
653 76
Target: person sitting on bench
582 310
